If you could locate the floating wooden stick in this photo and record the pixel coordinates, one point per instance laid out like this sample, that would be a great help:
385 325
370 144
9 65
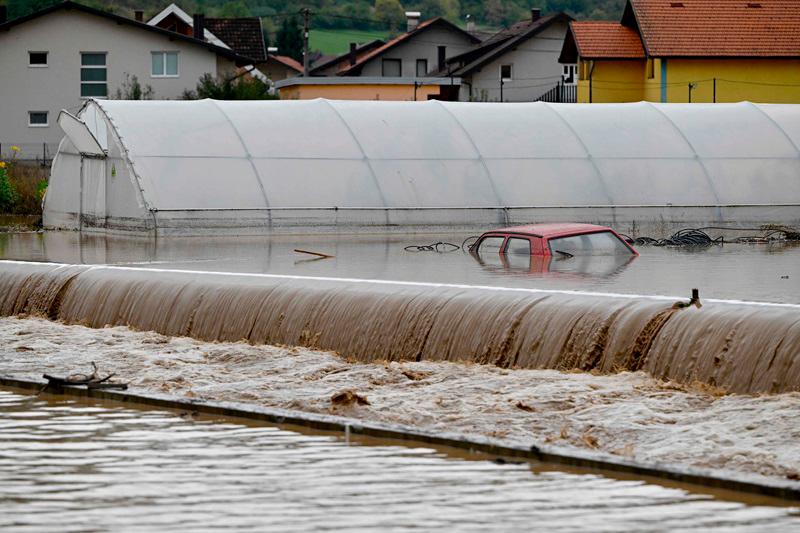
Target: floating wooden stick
93 381
318 254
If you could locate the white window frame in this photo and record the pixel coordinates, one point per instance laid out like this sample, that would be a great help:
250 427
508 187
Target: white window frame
511 68
571 71
105 67
38 65
164 63
46 116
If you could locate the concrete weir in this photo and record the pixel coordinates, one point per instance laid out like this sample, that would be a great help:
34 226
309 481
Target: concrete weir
742 347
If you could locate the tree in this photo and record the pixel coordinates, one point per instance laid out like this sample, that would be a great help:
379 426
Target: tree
239 88
289 39
390 12
20 8
495 12
449 9
234 10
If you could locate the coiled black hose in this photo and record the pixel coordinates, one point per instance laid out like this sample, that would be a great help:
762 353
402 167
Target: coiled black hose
698 238
440 247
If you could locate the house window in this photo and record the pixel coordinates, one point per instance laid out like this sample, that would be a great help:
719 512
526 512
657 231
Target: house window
568 74
37 59
94 78
651 72
38 119
506 72
422 67
391 68
164 64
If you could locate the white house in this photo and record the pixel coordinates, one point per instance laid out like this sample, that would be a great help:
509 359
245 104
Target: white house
517 64
58 57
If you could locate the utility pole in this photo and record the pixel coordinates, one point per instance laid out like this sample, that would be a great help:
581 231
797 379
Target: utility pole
501 88
306 19
715 90
691 86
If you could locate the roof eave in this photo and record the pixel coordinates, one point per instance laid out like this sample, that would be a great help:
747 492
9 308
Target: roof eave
341 57
639 29
494 53
356 68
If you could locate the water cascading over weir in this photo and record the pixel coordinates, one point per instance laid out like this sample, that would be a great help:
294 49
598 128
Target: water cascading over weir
738 347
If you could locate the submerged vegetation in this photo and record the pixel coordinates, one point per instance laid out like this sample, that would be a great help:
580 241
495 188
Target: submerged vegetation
22 186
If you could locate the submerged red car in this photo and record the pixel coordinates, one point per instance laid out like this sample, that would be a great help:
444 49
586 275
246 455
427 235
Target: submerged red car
559 240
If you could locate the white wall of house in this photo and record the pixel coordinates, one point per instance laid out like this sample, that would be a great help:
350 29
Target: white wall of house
64 35
535 70
421 46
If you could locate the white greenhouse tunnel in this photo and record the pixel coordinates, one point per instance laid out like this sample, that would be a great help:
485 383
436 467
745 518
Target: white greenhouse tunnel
194 167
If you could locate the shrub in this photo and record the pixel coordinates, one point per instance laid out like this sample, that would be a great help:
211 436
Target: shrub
22 187
240 88
8 193
131 89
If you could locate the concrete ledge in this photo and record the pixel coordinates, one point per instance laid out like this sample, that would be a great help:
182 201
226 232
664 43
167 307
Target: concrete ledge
786 490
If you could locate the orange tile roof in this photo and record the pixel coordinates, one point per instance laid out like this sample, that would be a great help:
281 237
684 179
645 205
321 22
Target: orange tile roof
607 40
289 62
719 28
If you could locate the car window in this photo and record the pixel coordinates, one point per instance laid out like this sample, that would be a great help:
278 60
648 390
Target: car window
491 244
517 246
603 243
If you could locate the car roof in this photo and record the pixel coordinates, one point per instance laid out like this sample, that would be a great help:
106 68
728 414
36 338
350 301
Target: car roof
553 230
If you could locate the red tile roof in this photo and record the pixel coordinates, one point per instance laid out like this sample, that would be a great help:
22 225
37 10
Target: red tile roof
606 40
289 62
719 28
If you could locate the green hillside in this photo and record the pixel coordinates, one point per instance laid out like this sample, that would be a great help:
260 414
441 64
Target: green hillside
375 15
333 41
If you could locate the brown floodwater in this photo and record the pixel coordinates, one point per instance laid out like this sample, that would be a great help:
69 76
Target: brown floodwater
758 272
738 347
81 465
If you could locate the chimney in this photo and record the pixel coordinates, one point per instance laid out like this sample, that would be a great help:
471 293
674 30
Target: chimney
138 15
412 18
536 13
442 55
199 26
3 14
353 48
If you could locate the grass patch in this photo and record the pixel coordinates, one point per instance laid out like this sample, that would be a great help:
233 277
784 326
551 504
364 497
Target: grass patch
338 41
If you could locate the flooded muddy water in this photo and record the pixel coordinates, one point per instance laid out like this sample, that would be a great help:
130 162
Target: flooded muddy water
76 466
757 272
626 414
738 347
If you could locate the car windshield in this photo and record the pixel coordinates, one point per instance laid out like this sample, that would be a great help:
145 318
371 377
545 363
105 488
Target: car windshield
601 243
491 244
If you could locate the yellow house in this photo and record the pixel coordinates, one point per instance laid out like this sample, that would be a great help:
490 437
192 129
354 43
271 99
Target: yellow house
368 88
690 51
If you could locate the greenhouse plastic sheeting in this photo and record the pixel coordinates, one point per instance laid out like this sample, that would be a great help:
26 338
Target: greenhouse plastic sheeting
191 166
